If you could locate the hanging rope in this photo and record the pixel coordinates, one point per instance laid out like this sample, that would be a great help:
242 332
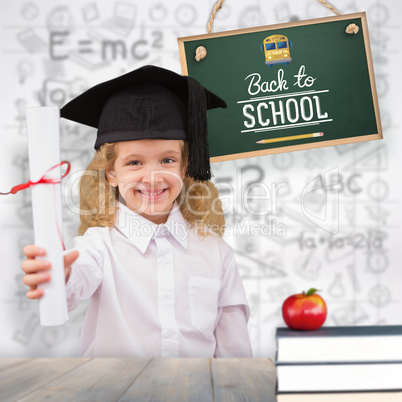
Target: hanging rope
201 52
217 7
351 28
333 9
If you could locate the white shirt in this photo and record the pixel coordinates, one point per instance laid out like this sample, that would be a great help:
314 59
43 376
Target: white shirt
158 291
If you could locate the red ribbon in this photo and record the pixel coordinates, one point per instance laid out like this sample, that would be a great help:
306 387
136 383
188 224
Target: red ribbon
42 180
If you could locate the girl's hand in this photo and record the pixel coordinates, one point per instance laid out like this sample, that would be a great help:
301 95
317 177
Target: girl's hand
31 267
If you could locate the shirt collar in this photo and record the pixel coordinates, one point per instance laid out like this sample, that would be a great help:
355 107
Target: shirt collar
141 231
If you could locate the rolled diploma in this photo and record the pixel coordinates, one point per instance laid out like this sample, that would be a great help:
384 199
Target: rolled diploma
44 152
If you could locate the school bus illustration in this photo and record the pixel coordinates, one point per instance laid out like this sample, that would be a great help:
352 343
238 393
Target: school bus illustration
276 49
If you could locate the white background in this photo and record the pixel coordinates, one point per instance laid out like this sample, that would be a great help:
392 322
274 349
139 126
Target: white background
358 270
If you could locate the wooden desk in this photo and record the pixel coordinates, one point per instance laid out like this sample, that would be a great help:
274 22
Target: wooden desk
176 380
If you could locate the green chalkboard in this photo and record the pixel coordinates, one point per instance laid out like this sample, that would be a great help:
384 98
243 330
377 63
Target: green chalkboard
283 83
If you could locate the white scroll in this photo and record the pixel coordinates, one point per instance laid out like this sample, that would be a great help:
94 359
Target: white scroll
44 152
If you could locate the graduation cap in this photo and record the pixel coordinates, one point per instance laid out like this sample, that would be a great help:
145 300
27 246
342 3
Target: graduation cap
150 103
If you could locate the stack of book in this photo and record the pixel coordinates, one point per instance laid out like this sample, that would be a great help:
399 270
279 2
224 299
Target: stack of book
361 363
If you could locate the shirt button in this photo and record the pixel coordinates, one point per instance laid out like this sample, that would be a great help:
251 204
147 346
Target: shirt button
170 333
166 294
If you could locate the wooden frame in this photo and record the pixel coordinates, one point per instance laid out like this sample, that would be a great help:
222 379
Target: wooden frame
364 28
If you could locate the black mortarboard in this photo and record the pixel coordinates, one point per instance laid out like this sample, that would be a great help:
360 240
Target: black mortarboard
150 103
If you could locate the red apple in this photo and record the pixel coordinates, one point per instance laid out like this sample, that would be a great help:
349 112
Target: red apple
304 311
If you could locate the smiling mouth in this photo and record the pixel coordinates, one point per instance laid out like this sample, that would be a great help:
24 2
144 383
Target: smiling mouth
149 194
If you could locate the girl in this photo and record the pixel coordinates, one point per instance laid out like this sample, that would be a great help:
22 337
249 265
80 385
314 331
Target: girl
162 281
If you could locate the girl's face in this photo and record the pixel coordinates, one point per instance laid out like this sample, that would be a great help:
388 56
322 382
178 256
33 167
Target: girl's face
149 175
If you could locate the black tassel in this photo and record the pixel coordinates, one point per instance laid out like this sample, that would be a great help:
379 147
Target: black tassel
199 167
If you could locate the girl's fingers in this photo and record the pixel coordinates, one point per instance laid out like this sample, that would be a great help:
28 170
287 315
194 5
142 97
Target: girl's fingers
34 293
33 269
70 258
32 266
33 280
32 251
67 273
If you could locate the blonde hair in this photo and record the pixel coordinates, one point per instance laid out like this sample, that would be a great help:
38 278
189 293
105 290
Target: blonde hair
198 201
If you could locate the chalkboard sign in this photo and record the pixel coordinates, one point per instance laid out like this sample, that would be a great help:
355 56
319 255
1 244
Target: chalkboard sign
288 87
